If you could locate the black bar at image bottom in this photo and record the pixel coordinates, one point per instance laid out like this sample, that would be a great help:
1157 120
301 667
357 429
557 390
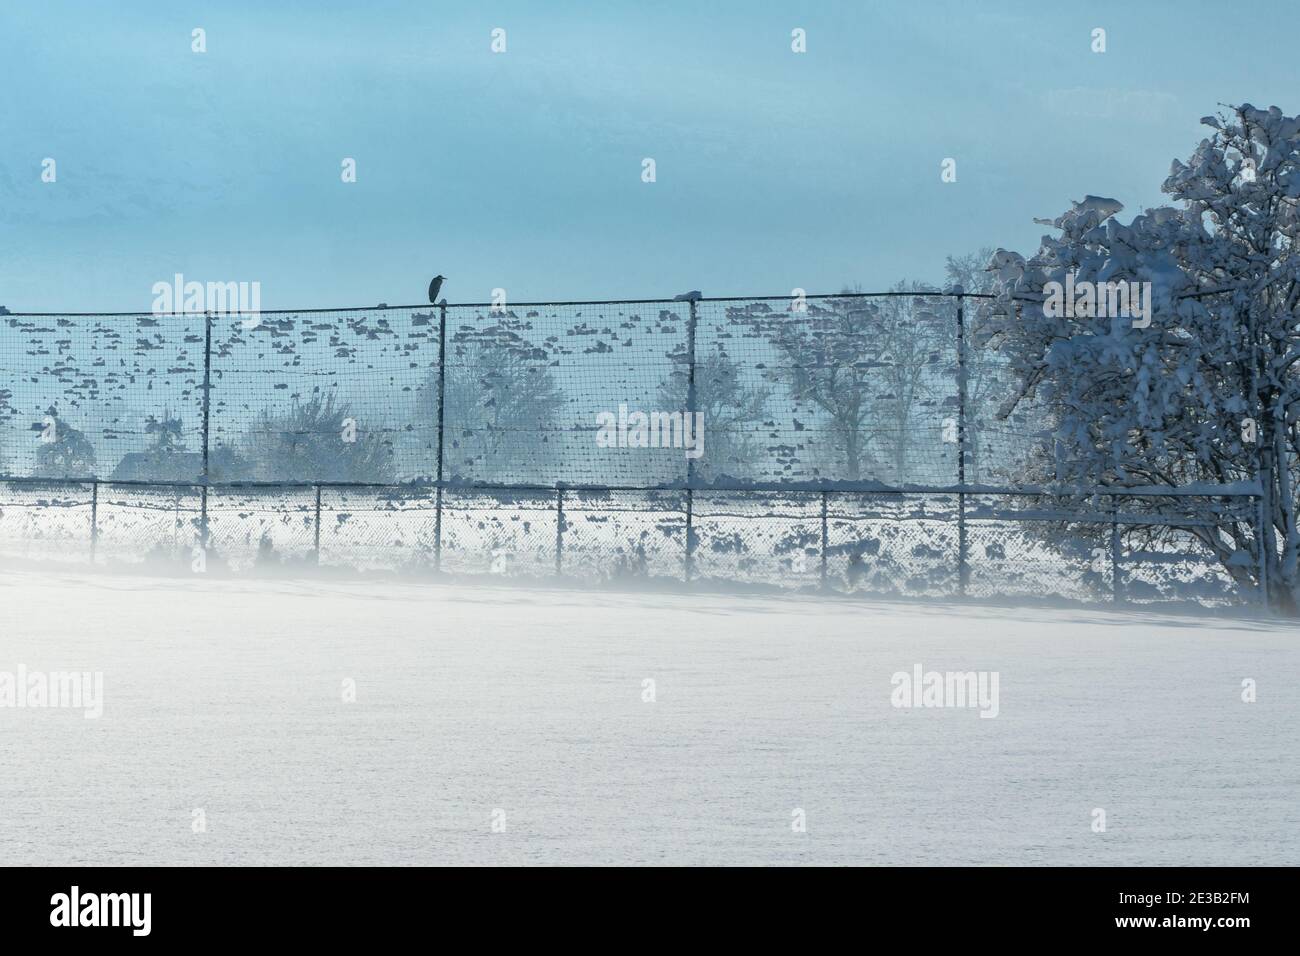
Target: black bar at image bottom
332 905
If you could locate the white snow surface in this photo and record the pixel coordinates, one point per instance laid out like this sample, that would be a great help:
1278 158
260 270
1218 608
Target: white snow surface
226 695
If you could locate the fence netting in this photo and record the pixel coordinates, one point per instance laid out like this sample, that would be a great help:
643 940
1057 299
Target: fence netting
835 441
849 388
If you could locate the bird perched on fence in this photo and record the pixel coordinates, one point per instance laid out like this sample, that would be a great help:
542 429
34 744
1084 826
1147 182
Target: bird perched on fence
435 287
692 296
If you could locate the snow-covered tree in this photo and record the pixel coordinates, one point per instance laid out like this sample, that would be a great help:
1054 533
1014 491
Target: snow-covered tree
502 411
166 434
1207 393
316 440
996 451
875 372
66 452
829 358
733 416
917 337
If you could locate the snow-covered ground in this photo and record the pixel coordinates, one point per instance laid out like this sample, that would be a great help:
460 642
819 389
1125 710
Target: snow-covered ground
524 706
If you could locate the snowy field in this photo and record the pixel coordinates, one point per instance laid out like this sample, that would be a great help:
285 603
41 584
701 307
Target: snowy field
524 706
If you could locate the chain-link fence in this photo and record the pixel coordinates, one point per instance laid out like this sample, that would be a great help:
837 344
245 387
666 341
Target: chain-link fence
861 389
852 442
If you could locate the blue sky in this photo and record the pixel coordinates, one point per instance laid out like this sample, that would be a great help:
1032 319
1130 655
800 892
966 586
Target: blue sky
522 170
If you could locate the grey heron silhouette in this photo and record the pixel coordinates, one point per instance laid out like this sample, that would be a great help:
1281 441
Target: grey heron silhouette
435 287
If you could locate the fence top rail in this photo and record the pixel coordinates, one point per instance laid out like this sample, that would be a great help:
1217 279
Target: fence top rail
935 293
1237 490
519 305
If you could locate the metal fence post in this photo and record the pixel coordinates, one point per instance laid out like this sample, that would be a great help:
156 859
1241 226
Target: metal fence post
690 462
824 540
1260 541
316 543
94 519
559 532
442 395
1116 585
690 534
690 384
207 413
963 566
963 545
1263 475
